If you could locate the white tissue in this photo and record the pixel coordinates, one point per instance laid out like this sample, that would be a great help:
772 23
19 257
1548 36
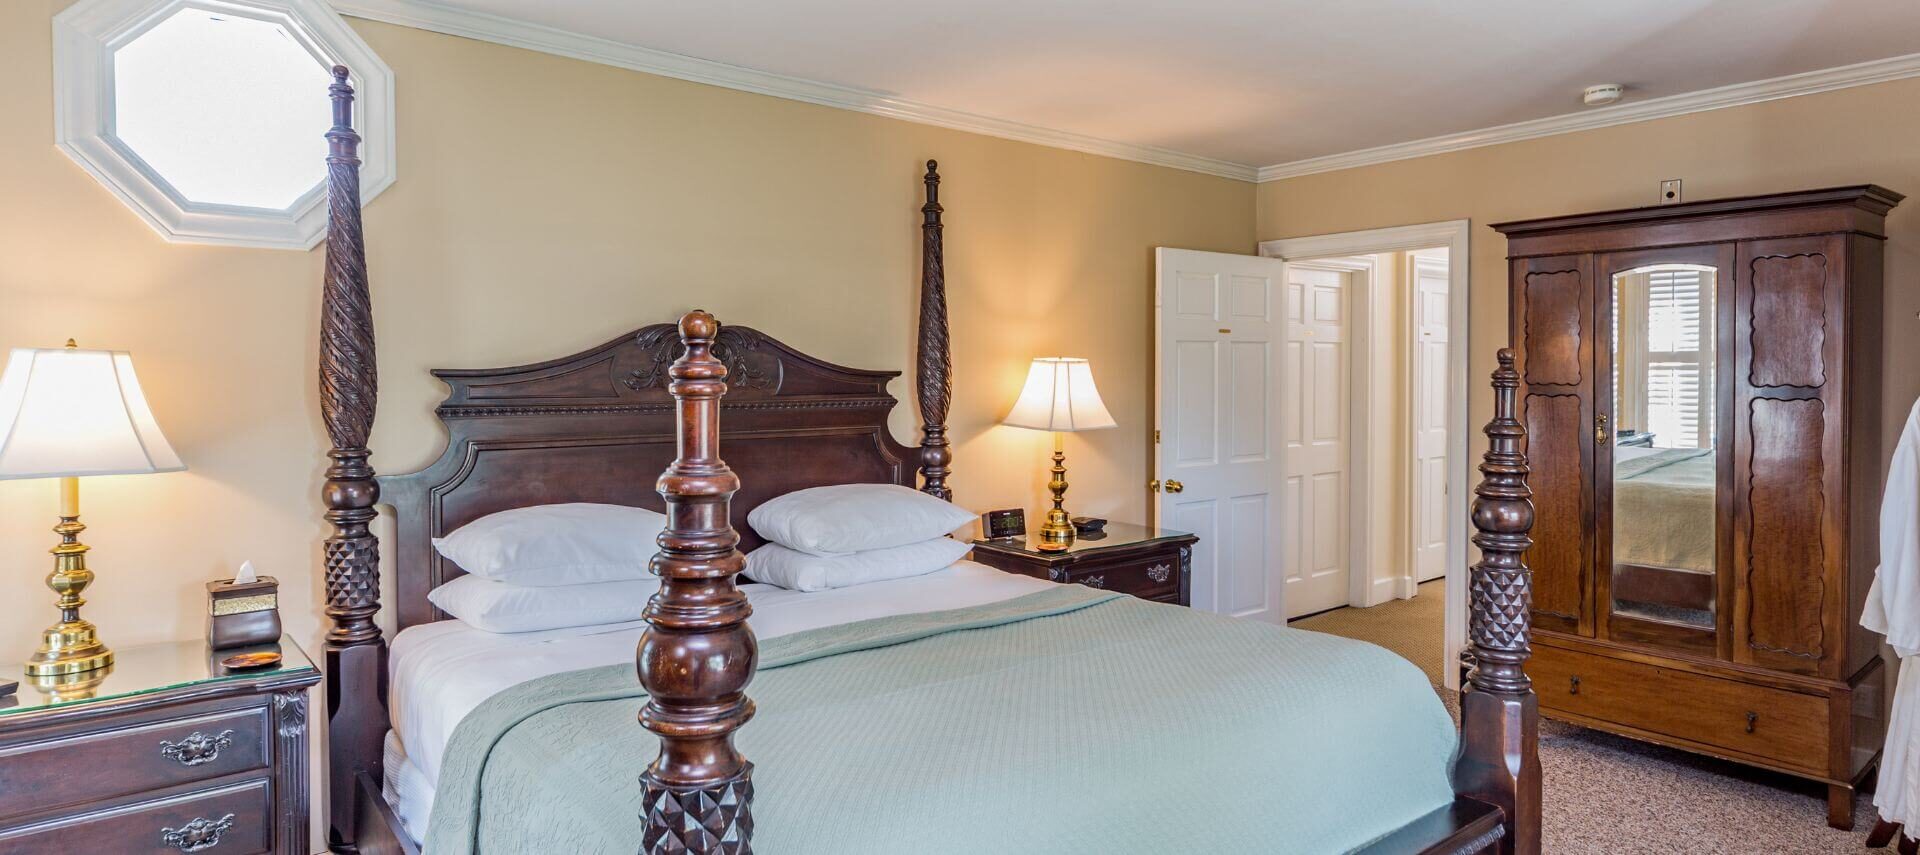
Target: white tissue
246 573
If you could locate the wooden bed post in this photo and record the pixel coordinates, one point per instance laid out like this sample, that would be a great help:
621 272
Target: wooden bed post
355 651
933 377
698 653
1499 759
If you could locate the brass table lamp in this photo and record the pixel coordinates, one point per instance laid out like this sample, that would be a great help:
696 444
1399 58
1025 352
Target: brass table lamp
67 413
1059 397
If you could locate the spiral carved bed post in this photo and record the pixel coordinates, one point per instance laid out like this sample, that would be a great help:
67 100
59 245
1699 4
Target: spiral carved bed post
934 380
355 651
1499 761
698 653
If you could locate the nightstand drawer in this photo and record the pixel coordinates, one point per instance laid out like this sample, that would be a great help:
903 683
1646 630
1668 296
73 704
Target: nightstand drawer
1151 578
1149 563
233 819
45 775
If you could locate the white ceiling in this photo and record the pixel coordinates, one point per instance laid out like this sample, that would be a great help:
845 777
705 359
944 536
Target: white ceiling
1253 82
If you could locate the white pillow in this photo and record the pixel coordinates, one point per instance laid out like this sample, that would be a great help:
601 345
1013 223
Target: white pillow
500 607
847 518
795 570
570 544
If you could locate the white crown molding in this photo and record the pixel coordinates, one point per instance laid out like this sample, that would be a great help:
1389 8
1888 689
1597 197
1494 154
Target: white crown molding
85 36
1825 80
434 17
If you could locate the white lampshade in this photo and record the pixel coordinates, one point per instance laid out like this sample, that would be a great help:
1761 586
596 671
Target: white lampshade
1060 396
67 412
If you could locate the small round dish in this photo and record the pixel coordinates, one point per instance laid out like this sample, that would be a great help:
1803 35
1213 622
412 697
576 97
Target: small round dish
251 661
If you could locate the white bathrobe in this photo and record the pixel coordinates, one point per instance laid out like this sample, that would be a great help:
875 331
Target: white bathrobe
1893 610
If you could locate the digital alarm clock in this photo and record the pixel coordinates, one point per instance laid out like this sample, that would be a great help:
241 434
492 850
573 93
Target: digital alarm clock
997 525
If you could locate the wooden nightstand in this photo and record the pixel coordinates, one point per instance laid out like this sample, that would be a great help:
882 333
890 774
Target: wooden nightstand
1149 563
166 752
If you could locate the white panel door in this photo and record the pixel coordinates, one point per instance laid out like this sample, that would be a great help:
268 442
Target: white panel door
1314 428
1429 417
1218 449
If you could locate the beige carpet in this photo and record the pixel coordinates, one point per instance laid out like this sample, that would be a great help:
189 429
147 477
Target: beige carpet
1412 628
1609 795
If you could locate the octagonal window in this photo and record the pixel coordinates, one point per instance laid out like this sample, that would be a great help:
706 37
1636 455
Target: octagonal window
223 108
207 117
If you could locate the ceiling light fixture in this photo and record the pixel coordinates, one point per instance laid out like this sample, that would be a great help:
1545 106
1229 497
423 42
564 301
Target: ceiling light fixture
1602 95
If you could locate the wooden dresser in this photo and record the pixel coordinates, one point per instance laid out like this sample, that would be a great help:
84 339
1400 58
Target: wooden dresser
1701 394
164 753
1149 563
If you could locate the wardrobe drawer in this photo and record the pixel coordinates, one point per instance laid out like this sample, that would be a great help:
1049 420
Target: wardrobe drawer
232 819
1789 728
1151 577
87 767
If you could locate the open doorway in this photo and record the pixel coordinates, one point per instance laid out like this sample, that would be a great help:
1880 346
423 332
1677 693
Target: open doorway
1406 463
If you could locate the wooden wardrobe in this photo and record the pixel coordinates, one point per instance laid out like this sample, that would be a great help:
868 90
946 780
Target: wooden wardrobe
1701 393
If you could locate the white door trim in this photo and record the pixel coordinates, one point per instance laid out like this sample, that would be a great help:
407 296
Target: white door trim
1454 235
1359 413
1411 336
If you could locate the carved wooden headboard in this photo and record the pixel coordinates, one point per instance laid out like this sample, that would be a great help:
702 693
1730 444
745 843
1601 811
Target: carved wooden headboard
598 426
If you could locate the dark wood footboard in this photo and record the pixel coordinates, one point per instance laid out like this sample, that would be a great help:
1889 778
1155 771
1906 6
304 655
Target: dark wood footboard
1499 759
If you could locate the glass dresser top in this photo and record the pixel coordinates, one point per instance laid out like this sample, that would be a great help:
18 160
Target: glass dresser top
145 668
1116 534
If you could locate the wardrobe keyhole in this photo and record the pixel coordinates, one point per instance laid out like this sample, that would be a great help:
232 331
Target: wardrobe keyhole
1752 718
1573 686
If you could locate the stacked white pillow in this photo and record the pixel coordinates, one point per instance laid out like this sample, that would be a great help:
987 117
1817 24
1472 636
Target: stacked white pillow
551 566
852 534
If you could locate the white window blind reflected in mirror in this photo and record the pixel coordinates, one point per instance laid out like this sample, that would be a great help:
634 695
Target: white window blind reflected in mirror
1663 357
227 110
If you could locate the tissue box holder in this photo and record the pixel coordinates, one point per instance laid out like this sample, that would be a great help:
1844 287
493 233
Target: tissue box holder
241 614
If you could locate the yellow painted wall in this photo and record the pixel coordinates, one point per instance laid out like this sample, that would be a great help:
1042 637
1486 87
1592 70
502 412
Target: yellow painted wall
1851 136
545 205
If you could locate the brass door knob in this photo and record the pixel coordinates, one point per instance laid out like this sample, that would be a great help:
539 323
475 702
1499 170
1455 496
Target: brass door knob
1153 486
1175 486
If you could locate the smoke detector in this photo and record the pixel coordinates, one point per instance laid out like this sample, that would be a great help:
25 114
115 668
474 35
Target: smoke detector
1602 95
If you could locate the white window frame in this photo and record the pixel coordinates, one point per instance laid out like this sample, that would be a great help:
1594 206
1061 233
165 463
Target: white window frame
1633 322
85 37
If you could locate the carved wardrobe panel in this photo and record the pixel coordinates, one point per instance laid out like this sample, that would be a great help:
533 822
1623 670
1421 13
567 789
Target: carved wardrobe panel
1790 493
1703 425
1553 312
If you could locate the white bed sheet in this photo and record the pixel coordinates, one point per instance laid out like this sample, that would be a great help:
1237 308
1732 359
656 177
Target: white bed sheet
441 671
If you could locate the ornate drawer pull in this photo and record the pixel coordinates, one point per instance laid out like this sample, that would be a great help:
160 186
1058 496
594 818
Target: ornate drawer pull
1160 572
197 748
1753 718
1094 581
1573 686
197 836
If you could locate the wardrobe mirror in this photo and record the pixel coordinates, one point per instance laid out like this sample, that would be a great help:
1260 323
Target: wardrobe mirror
1662 441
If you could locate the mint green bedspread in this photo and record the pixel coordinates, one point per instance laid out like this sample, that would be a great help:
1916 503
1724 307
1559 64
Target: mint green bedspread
1066 721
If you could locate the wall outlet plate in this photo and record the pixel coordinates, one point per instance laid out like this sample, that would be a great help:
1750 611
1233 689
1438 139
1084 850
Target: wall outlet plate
1670 191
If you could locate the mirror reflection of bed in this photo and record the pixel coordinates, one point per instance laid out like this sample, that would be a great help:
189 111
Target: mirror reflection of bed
1664 448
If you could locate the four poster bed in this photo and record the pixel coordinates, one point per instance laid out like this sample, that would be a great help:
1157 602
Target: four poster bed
598 426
